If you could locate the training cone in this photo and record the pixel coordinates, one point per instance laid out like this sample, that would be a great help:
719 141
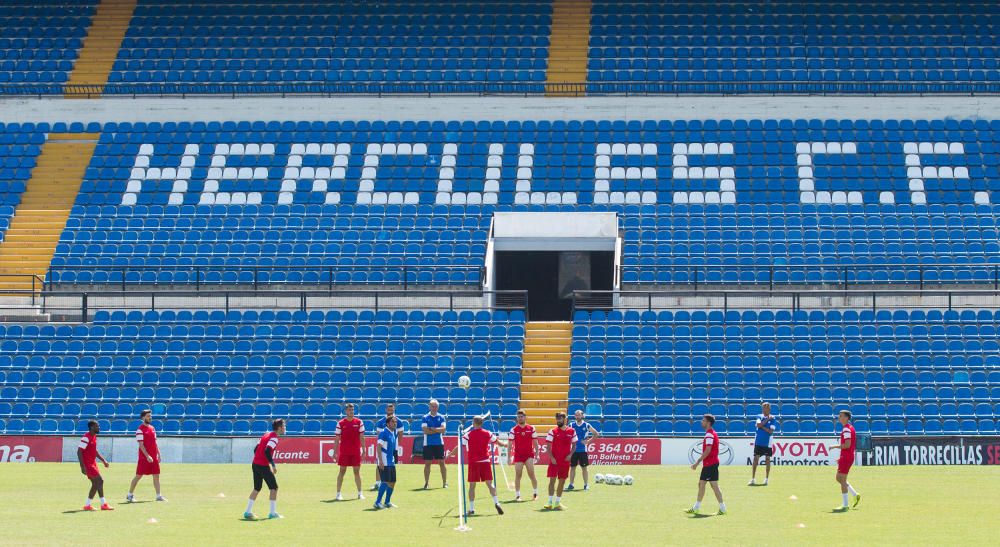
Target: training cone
221 495
793 497
801 525
152 521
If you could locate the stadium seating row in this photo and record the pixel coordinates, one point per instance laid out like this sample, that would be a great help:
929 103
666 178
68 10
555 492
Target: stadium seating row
218 371
929 369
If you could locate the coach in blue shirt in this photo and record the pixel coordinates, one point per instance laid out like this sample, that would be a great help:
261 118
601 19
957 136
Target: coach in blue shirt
433 426
766 426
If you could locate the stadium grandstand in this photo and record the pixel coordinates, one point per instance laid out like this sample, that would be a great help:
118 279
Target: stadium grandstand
239 211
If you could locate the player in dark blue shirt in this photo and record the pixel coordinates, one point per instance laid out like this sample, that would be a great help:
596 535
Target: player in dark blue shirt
767 424
386 459
585 434
390 411
433 425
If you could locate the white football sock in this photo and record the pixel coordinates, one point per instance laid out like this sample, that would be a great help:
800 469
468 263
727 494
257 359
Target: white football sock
274 506
496 500
90 501
472 505
535 491
852 490
557 500
249 506
845 500
722 506
550 500
102 501
697 505
517 494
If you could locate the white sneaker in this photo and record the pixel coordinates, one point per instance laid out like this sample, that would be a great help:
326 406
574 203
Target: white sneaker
161 498
361 496
129 498
752 482
765 482
374 487
390 505
339 497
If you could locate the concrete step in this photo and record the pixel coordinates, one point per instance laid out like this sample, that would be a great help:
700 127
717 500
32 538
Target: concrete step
558 381
543 396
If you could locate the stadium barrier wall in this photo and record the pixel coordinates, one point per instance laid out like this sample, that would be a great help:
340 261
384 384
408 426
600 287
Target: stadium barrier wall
813 451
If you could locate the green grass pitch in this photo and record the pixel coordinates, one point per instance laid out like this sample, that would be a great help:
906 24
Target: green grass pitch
901 506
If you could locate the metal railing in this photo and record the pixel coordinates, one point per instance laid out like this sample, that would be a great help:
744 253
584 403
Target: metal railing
260 277
845 277
22 281
81 305
793 300
525 89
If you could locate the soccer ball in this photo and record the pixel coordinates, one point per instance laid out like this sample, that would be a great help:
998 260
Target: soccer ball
615 480
599 478
628 480
464 382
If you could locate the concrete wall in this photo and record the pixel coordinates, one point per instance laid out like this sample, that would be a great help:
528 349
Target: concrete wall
496 108
172 449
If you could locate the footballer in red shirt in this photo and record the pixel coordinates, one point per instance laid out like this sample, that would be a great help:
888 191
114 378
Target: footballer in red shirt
88 456
480 447
264 470
149 456
524 450
848 443
710 465
349 444
561 440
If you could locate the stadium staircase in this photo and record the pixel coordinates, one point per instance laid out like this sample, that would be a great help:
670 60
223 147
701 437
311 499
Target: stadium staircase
545 371
569 45
100 47
30 242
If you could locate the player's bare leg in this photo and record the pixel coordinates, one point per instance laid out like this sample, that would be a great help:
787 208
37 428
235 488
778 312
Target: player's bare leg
427 474
552 493
767 469
340 481
586 481
444 473
518 469
530 464
472 499
718 497
133 484
496 501
697 504
753 469
845 490
357 482
156 486
572 475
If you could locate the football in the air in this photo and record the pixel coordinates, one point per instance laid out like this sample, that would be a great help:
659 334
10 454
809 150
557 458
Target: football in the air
464 382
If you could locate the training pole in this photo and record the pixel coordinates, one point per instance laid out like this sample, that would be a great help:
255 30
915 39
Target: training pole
463 525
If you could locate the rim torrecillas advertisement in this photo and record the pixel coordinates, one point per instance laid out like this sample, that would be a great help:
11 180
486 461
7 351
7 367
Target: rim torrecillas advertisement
932 451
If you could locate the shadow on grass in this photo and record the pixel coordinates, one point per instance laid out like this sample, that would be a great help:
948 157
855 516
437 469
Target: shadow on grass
74 511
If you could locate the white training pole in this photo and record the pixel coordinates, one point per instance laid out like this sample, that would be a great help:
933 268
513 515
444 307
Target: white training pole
503 469
462 520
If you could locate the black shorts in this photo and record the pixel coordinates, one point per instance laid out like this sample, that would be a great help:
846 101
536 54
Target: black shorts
387 474
579 458
262 474
762 450
710 473
433 452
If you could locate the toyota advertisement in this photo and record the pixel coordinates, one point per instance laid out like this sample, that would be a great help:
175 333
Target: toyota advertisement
739 451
